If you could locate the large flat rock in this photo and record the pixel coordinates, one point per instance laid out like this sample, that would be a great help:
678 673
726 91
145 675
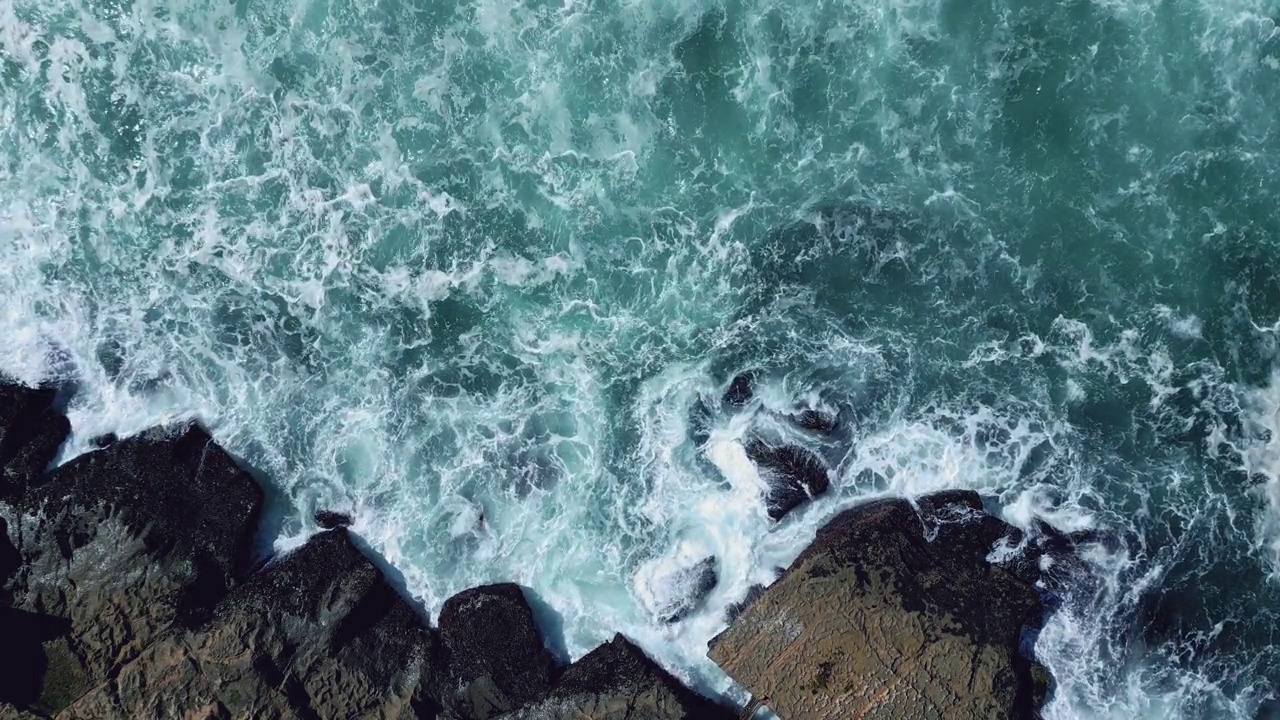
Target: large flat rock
892 613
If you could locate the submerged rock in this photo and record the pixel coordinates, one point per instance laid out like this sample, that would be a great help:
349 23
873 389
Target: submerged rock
815 421
794 475
329 520
1055 559
741 390
317 633
617 681
496 658
734 611
670 592
700 421
103 441
892 612
123 544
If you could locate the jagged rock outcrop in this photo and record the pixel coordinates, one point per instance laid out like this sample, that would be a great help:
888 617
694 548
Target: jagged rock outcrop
328 519
892 612
617 681
122 544
496 658
673 592
793 475
815 421
741 390
316 634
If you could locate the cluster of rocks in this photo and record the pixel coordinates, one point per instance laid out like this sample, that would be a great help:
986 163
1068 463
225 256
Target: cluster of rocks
793 475
899 608
129 591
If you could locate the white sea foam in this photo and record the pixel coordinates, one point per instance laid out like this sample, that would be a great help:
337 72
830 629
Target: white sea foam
1262 459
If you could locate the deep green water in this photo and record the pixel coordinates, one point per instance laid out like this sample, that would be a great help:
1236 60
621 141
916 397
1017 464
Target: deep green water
468 269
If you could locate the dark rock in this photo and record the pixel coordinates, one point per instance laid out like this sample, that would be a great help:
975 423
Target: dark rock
329 520
124 544
496 659
741 390
957 522
104 441
892 612
10 558
794 475
617 681
735 610
815 421
316 634
682 590
1053 557
182 495
31 433
126 592
1057 543
700 422
26 663
957 504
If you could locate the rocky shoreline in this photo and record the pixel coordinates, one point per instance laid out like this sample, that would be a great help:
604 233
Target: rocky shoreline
129 590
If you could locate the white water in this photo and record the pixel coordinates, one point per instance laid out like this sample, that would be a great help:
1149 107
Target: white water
464 272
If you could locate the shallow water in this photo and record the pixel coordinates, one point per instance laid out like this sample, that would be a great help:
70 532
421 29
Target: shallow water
479 273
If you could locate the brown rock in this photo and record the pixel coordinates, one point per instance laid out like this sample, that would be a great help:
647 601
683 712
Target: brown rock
117 547
316 634
892 613
617 681
496 658
126 593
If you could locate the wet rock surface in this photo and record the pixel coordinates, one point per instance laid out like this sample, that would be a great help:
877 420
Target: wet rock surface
617 681
741 389
329 519
120 545
128 590
815 421
316 634
794 475
893 612
672 593
497 660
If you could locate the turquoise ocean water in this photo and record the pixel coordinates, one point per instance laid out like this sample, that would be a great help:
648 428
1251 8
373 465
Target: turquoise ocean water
478 273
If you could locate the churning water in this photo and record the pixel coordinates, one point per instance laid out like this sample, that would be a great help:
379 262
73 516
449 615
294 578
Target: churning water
478 273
